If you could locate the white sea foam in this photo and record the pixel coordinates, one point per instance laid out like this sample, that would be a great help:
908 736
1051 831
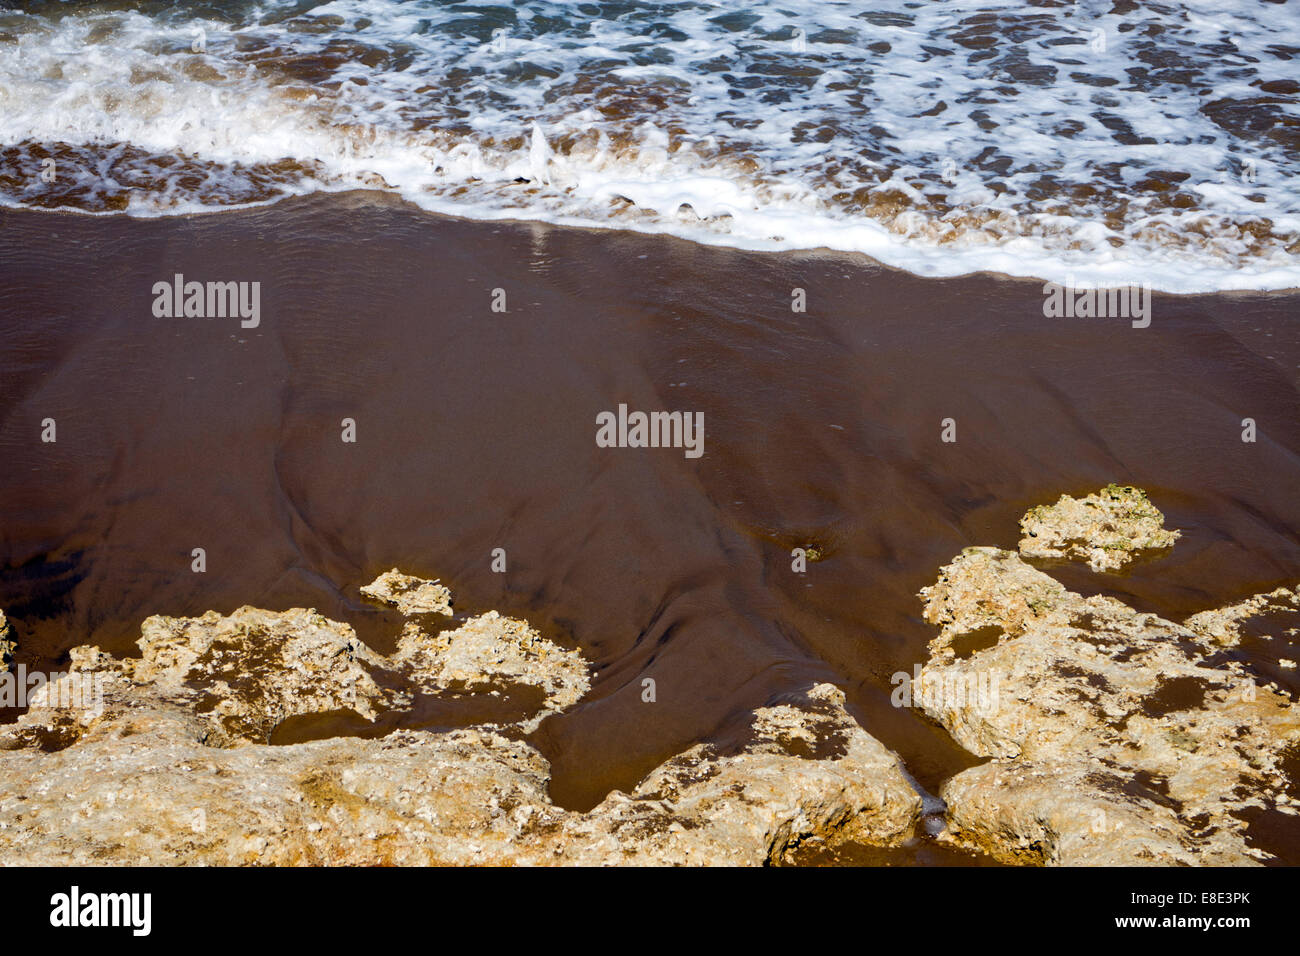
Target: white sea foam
942 138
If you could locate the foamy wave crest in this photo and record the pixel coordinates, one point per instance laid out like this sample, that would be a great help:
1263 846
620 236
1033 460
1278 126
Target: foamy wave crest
1096 141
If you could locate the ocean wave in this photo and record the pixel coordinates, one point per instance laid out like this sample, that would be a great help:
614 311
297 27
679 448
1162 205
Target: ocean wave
1092 141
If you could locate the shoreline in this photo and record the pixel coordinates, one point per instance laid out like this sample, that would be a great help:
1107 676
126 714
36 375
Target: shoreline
380 196
477 431
1113 745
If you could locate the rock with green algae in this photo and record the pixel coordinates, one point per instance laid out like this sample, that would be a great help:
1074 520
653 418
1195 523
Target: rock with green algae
1117 737
1107 529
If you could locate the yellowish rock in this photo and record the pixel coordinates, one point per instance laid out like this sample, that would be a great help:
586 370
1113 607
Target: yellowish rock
1107 529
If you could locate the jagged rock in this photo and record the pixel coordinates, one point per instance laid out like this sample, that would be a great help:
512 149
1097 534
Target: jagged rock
7 644
255 668
491 649
1067 813
408 594
755 806
144 790
251 671
1120 737
750 808
988 588
1223 625
141 787
248 672
1107 529
150 778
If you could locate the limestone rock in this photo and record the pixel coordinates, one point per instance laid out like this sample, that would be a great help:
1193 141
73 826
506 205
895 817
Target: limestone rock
750 808
247 672
146 791
1067 813
491 649
251 671
1120 737
1106 529
142 788
7 643
1224 624
408 594
150 775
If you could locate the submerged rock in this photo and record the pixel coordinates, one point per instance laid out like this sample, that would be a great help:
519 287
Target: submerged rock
408 594
251 671
174 764
755 806
1106 529
254 669
1116 737
1223 625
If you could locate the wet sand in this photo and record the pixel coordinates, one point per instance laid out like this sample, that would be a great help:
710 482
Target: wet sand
476 430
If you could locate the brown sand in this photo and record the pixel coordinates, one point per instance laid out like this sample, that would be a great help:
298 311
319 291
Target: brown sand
476 431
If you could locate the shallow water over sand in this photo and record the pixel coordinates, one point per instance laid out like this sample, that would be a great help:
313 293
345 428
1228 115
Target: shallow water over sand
476 430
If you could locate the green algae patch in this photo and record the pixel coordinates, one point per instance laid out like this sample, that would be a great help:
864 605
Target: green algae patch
1107 529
